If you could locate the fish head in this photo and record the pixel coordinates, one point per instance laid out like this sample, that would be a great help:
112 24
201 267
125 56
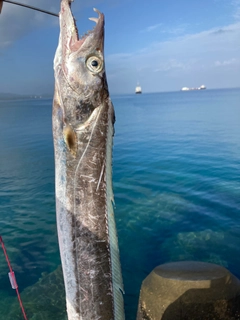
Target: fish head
80 61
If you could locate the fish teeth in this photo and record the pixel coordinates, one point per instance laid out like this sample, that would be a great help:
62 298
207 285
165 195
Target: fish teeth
94 19
96 10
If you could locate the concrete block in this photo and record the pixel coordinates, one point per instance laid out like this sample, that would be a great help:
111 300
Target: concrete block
189 290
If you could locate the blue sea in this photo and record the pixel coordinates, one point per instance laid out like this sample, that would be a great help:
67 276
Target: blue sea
176 178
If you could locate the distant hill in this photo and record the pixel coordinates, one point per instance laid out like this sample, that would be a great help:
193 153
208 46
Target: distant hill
14 96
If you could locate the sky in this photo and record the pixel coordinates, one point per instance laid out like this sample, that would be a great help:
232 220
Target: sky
163 45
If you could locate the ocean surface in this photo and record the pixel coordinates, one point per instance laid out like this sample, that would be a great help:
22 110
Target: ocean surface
176 178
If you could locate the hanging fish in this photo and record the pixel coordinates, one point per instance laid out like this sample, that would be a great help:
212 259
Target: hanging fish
83 119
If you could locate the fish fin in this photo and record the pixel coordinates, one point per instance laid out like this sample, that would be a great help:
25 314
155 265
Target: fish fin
118 289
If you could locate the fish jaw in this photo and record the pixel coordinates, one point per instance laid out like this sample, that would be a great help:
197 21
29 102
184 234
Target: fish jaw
79 68
69 30
75 56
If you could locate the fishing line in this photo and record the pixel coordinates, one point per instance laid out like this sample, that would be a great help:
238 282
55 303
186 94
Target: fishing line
29 7
12 278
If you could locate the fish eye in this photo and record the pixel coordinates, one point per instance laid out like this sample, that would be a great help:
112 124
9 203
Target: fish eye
94 64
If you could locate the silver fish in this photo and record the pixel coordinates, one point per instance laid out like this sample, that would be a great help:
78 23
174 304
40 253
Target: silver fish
83 118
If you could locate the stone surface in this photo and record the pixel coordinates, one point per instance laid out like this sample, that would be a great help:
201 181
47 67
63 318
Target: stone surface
189 290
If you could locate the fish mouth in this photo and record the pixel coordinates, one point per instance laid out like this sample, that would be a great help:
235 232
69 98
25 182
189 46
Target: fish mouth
69 27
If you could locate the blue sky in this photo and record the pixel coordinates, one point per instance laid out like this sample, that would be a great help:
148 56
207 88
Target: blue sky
164 45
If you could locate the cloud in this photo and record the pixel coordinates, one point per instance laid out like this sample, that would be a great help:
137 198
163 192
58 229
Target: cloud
171 64
151 28
230 62
164 29
198 46
192 58
175 31
220 31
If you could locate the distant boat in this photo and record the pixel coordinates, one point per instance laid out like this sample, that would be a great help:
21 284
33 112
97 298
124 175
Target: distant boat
138 89
202 87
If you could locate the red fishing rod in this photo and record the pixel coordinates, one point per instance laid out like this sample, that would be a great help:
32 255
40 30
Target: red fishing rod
12 278
27 6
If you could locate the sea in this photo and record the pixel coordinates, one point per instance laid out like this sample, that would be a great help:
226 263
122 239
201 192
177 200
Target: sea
176 180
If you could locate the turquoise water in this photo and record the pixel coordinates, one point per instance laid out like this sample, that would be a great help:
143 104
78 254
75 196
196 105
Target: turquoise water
176 177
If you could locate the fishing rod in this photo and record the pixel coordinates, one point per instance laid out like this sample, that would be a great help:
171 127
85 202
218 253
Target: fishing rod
27 6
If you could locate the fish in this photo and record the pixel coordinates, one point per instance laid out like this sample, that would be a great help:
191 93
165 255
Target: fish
83 128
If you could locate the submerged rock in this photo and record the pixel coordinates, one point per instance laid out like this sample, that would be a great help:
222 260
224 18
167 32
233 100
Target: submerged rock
205 245
45 300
